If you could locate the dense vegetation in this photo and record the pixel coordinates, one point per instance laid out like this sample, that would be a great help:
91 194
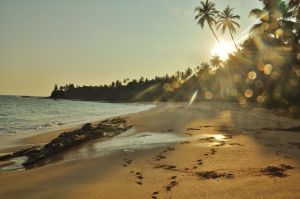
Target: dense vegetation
265 68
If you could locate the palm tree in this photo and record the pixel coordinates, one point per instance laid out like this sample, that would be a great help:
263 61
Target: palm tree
226 20
216 61
205 65
207 13
276 15
272 13
294 5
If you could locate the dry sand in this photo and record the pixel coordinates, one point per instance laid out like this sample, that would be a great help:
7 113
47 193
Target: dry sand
228 163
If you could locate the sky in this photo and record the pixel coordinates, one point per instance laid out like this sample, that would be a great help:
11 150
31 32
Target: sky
93 42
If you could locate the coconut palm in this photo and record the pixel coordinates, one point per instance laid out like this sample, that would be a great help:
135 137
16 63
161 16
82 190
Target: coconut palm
216 61
294 5
204 65
207 13
227 21
273 13
276 15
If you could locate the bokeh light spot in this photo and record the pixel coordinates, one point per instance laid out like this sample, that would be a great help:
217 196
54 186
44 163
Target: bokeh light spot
167 87
268 69
279 33
175 85
252 75
248 93
260 99
208 95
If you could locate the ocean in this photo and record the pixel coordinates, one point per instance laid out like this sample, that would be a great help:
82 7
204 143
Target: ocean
32 114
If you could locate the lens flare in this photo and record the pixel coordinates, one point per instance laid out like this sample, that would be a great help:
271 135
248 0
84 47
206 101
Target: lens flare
260 99
268 69
223 49
208 95
248 93
279 33
252 75
193 98
167 87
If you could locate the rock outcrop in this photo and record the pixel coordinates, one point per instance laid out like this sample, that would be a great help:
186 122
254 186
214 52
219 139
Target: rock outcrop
66 140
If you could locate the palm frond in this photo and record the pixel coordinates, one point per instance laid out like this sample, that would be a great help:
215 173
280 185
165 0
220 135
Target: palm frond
257 13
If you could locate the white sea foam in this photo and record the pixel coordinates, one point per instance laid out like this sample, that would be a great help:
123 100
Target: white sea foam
23 115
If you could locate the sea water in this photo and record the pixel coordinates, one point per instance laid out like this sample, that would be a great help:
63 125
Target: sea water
30 114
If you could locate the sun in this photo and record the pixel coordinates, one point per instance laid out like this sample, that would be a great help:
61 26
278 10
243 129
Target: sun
222 49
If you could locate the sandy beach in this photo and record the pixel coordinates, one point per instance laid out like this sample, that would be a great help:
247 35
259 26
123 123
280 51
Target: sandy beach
218 150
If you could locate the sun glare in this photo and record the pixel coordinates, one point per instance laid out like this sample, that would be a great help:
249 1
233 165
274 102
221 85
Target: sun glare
222 49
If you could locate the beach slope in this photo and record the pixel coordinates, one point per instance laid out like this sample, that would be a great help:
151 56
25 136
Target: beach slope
220 150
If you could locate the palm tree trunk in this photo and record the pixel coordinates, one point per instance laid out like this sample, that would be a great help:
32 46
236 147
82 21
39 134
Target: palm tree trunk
213 32
233 41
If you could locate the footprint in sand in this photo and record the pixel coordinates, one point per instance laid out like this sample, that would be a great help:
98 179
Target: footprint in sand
193 129
161 155
236 144
205 126
214 175
185 142
213 151
139 178
127 162
165 167
170 186
154 194
199 162
221 143
208 139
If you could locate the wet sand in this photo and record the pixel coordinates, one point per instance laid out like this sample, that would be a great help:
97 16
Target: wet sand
236 158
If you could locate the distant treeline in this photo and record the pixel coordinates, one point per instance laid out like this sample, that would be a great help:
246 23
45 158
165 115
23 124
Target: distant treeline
264 69
164 88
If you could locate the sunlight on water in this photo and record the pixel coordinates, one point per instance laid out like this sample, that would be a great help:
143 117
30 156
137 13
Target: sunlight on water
132 140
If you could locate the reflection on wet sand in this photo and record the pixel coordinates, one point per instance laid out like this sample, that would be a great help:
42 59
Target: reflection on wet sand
129 141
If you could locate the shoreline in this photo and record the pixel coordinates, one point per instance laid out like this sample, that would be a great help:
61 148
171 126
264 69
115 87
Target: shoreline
12 142
226 154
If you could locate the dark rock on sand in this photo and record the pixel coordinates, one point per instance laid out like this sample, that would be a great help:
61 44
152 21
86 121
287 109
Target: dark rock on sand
6 157
66 140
